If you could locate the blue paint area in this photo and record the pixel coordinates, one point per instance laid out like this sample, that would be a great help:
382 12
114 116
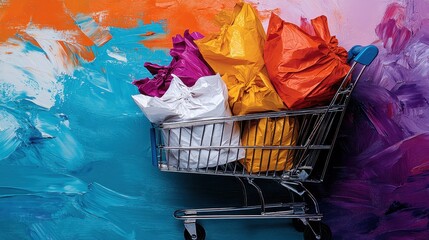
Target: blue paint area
82 169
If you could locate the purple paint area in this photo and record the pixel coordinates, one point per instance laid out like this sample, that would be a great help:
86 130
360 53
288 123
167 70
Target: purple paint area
387 195
188 64
382 191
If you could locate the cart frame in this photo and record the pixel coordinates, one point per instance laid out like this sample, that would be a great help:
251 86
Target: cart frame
316 133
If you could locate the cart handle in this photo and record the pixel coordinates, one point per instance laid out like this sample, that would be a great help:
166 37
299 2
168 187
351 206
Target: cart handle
153 146
363 55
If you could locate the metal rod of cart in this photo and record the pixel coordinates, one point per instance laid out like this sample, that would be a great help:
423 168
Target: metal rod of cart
290 147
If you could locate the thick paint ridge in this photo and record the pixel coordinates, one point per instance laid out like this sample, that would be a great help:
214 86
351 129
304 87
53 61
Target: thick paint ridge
382 188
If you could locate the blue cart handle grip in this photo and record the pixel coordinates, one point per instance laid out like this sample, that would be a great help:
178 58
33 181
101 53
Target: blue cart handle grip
362 55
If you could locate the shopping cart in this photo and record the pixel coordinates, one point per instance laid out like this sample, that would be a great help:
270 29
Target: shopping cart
291 148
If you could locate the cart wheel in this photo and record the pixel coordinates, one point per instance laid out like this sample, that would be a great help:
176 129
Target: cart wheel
325 231
201 233
298 225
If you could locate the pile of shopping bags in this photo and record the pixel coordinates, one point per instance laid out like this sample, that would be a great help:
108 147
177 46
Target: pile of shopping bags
242 70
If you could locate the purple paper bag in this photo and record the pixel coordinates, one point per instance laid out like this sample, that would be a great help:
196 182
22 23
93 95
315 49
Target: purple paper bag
188 64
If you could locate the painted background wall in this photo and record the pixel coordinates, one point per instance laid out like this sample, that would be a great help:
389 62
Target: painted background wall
74 149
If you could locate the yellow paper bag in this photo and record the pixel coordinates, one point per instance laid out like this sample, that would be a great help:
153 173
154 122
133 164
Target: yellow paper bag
237 54
269 132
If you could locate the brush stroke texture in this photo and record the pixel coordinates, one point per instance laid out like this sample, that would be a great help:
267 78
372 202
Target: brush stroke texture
54 159
381 193
74 155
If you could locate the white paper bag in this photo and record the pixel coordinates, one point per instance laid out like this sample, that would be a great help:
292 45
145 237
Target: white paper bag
207 98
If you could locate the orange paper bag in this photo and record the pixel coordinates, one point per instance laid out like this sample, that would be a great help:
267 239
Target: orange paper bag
305 67
237 54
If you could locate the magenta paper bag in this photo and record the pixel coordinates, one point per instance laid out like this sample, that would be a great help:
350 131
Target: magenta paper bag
187 64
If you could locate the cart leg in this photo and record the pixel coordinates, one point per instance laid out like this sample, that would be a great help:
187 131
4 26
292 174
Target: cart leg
194 231
190 226
293 187
243 187
316 234
261 196
317 230
313 199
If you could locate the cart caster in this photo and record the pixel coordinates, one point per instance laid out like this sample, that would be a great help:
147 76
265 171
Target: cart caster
298 225
320 228
201 233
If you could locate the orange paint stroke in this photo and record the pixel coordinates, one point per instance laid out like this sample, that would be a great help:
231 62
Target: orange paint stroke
150 33
91 29
78 50
178 15
16 15
205 16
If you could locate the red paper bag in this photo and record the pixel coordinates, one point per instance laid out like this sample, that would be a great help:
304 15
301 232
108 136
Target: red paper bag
305 67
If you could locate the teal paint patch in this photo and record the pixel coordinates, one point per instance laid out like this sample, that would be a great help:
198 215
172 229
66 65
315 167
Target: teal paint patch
83 169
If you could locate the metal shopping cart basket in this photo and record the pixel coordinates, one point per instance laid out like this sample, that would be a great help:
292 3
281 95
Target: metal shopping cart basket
289 147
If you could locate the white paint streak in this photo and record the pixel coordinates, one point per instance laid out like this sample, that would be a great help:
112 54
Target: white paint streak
100 15
91 29
117 54
8 136
29 74
96 78
49 40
